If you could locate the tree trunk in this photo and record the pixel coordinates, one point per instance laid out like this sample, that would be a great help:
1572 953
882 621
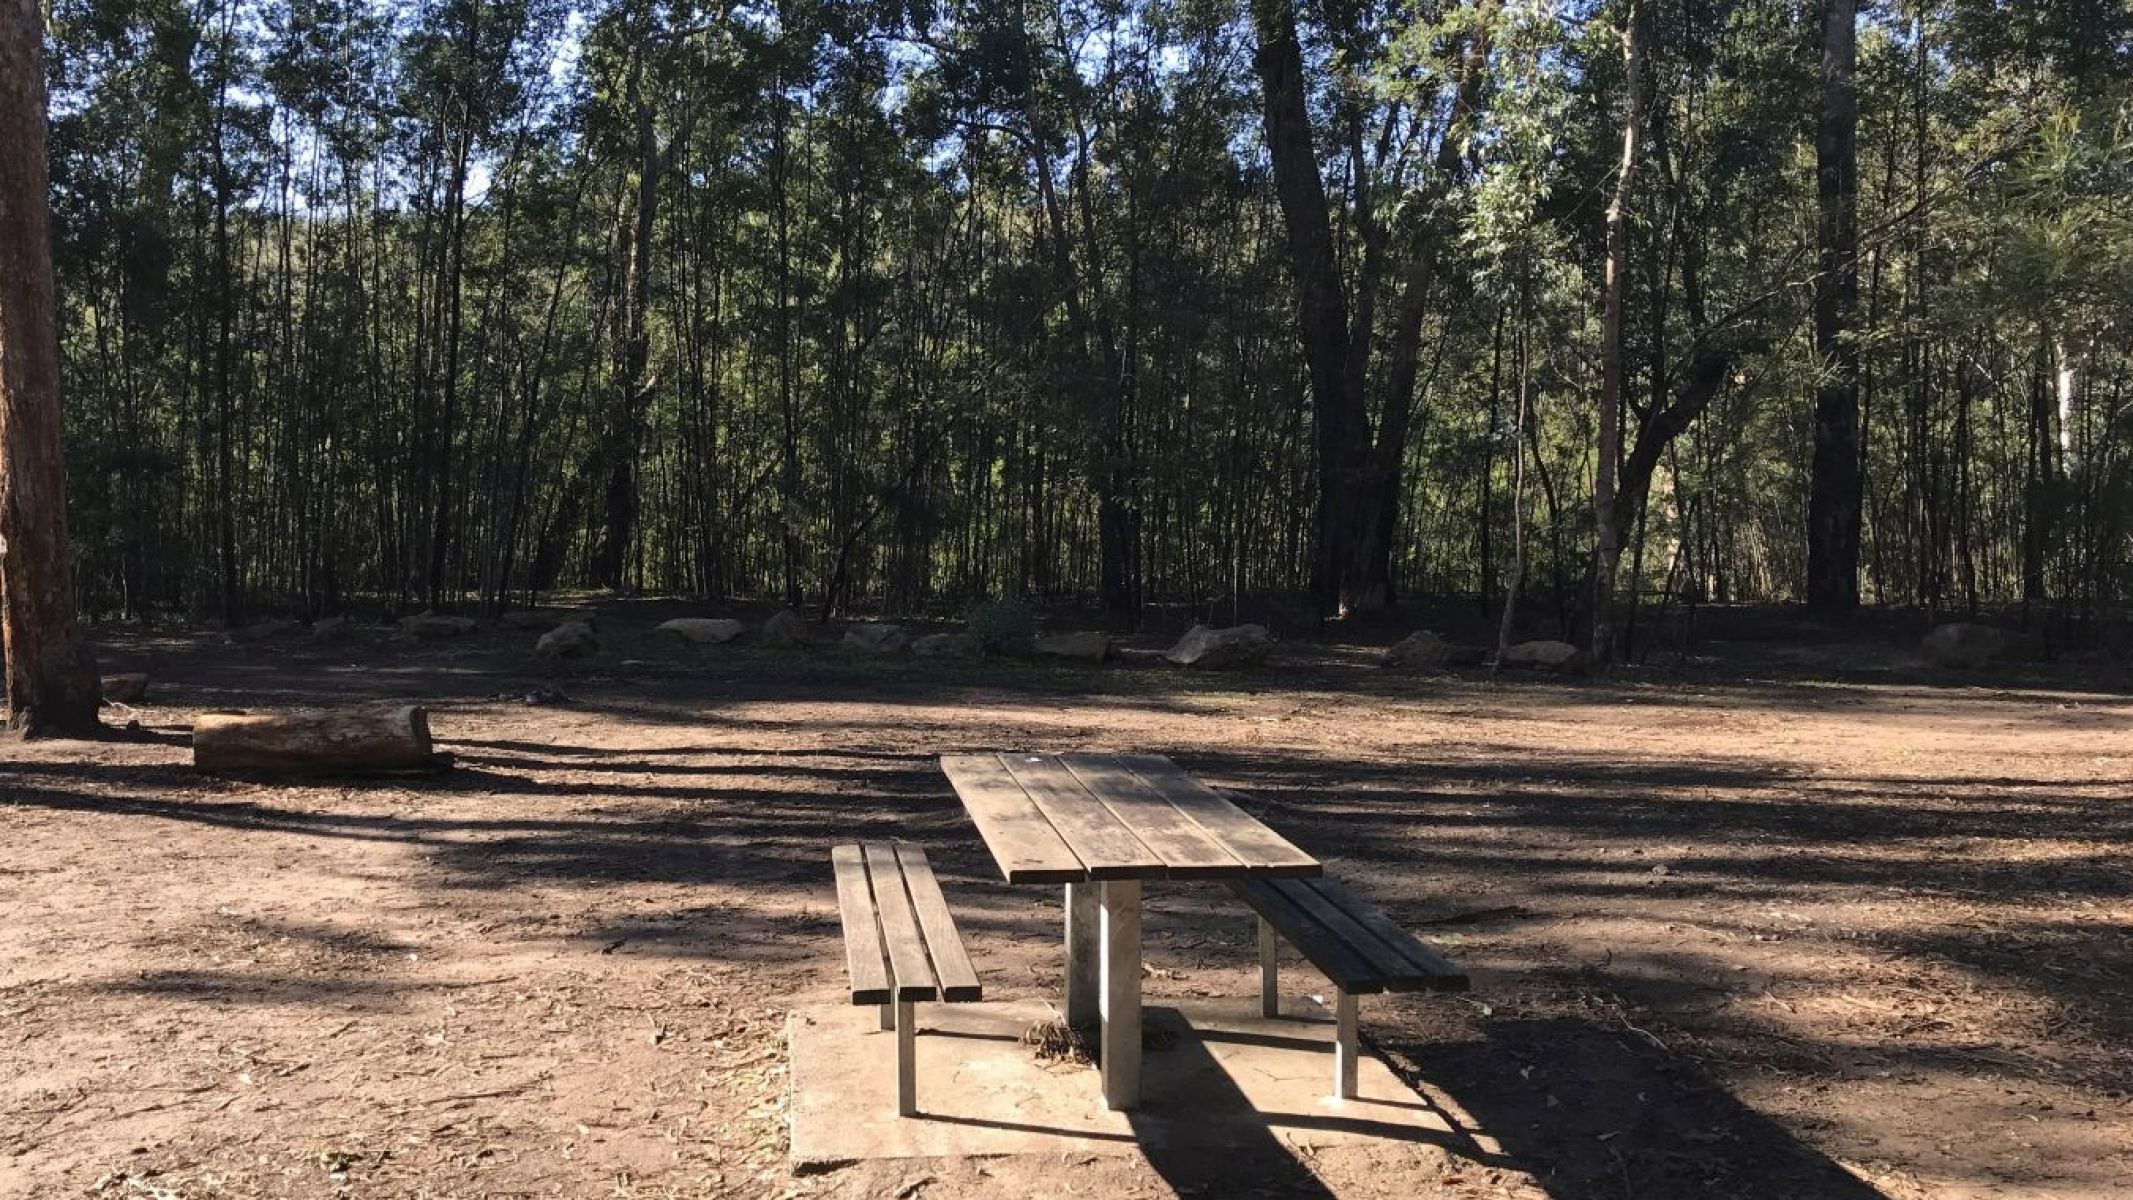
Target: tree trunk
1338 407
1833 501
1607 542
52 685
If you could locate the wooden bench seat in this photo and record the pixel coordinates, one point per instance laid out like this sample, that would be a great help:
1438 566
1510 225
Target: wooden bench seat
900 945
1356 945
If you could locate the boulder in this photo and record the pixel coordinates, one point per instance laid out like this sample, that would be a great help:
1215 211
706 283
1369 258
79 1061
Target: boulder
572 639
877 638
1081 647
1963 644
784 628
429 626
704 631
1419 651
1214 649
126 689
1559 657
948 645
261 631
543 620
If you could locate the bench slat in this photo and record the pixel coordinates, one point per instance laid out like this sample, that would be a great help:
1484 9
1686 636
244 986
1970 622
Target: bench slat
1103 843
899 926
1434 971
1021 839
1187 850
1249 841
863 959
951 963
1393 969
1349 971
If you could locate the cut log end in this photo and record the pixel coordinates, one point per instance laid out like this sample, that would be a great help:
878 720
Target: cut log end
356 741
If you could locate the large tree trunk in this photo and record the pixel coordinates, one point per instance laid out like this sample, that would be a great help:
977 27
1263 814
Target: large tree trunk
52 685
1607 521
1337 399
1833 502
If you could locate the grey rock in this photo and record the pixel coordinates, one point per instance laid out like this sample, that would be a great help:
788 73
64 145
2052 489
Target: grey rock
430 626
572 639
1212 649
1089 647
704 631
1419 651
877 638
1559 657
784 628
947 645
1963 644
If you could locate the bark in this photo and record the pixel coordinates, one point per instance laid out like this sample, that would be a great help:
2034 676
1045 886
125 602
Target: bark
1607 542
331 742
1337 405
52 684
1833 518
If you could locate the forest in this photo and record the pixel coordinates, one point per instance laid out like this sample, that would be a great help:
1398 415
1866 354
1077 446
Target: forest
887 305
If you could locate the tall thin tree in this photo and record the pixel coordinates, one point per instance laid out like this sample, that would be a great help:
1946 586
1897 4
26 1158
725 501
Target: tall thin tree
51 672
1833 510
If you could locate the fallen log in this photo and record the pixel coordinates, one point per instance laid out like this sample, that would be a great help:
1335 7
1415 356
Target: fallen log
350 741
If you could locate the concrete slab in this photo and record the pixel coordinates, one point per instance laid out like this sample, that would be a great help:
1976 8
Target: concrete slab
1228 1077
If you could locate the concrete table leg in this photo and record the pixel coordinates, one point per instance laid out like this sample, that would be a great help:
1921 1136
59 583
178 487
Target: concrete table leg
906 1060
1120 907
1269 970
1083 960
1344 1045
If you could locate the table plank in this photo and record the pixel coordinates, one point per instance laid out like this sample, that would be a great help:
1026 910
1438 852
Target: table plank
1020 837
1261 851
1103 843
1187 850
862 936
899 926
951 963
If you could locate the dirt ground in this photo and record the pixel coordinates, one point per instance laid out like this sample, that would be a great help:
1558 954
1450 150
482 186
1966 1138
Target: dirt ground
1761 923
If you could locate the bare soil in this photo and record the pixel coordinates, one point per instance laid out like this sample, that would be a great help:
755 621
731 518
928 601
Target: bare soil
1776 920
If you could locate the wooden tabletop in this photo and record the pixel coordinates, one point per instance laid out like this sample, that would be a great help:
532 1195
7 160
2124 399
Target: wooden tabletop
1069 818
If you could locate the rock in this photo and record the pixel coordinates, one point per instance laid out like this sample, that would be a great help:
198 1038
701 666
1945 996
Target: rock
572 639
540 620
877 638
332 629
1081 647
428 626
1137 656
1218 649
1418 651
704 631
948 645
126 689
1560 657
784 628
260 631
1962 644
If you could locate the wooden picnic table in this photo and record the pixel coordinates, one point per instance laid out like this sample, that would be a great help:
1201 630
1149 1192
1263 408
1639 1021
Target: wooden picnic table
1101 824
